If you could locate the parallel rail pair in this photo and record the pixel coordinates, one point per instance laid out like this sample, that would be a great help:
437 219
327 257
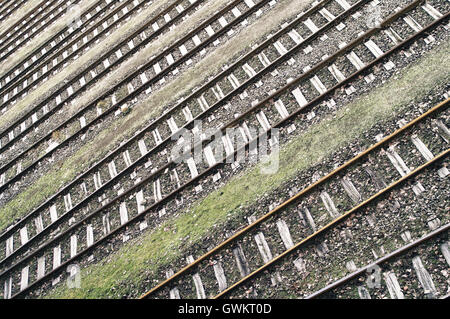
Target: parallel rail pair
362 182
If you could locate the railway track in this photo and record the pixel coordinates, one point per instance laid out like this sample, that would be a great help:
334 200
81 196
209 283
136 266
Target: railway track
17 35
17 158
65 46
313 213
99 180
23 20
94 72
100 222
437 242
116 157
7 8
95 11
138 82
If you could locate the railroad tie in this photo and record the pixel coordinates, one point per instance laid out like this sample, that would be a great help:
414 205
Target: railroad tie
197 281
363 293
307 219
445 249
24 278
219 273
427 154
174 292
73 245
424 278
241 260
351 190
329 204
393 286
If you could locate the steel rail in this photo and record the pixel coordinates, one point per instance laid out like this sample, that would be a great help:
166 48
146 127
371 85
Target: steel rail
96 78
335 222
28 71
49 134
28 56
348 47
151 152
68 213
27 27
243 16
123 146
381 260
135 93
171 194
99 241
170 164
35 32
300 194
5 5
